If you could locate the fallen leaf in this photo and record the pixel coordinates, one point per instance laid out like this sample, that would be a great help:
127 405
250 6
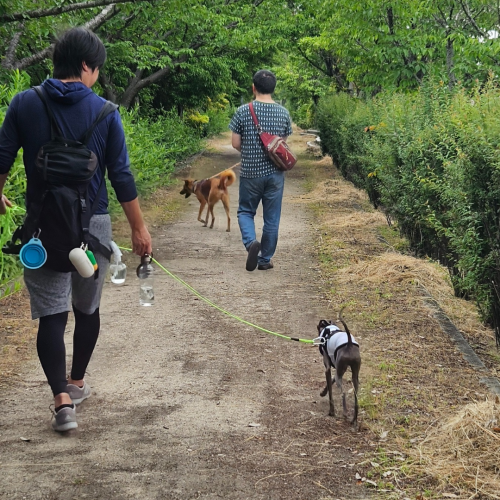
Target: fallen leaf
375 464
25 439
496 429
384 434
358 476
252 424
373 483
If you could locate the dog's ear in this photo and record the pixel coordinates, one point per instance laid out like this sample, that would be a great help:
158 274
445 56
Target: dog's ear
322 324
185 190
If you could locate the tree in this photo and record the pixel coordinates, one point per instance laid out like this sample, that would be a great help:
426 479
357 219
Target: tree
384 45
147 42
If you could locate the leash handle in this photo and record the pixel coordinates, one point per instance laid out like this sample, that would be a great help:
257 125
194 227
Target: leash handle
319 341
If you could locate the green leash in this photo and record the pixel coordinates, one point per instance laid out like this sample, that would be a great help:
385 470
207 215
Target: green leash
318 341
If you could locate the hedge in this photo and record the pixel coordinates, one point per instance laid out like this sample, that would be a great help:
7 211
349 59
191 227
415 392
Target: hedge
431 160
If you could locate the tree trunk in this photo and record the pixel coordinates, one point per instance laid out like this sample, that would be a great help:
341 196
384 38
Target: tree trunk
449 63
107 87
138 83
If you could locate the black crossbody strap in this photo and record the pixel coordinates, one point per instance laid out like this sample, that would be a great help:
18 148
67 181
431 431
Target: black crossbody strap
54 127
106 110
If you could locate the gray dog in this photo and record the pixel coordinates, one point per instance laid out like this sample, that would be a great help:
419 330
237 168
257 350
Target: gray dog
340 350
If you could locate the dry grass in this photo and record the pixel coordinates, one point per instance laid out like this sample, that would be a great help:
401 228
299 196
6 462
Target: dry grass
464 451
412 374
396 269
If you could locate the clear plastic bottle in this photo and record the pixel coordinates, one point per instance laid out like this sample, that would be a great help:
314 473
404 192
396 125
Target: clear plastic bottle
145 274
118 269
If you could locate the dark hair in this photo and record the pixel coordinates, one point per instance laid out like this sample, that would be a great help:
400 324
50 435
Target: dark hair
75 47
264 81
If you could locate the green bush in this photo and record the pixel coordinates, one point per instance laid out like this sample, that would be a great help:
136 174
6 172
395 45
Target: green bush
432 160
14 190
212 120
155 145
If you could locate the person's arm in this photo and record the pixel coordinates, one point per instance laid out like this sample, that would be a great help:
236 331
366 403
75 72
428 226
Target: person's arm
9 146
236 129
141 239
122 180
288 131
236 141
4 202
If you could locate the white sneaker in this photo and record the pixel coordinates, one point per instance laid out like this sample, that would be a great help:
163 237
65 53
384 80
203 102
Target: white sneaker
78 394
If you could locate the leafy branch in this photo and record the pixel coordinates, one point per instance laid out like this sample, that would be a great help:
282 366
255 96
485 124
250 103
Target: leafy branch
54 11
10 62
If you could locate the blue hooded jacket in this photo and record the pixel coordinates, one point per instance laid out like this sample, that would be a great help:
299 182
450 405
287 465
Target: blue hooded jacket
75 108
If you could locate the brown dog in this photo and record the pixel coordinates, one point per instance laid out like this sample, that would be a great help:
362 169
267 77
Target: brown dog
210 191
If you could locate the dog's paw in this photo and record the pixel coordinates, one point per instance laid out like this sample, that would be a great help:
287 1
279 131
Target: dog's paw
323 392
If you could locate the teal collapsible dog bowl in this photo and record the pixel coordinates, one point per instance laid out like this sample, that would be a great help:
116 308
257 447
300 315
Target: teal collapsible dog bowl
33 255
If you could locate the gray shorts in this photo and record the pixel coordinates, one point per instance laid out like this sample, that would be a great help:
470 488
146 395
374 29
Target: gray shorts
52 292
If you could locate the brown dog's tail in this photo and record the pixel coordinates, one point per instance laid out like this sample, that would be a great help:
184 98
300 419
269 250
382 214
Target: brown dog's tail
226 179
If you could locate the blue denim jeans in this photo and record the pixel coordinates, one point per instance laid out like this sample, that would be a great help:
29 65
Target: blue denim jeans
269 190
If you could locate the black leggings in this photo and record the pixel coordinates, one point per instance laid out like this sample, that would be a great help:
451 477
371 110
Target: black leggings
52 351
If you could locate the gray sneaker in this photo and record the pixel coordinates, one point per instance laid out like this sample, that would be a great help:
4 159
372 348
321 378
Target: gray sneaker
65 419
78 394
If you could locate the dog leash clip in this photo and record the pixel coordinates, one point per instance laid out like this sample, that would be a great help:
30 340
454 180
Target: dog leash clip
319 341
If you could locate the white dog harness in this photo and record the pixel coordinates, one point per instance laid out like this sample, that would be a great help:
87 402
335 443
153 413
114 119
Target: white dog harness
335 339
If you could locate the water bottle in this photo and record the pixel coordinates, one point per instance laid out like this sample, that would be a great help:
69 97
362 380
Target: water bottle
118 269
145 275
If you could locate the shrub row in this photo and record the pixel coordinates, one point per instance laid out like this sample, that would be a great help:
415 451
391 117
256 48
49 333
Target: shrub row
431 160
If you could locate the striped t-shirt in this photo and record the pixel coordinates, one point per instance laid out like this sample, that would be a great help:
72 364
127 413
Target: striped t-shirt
273 119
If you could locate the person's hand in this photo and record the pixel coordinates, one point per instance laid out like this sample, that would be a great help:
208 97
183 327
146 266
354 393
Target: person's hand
4 203
141 241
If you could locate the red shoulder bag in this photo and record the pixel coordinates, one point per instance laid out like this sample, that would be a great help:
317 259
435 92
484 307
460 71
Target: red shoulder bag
275 146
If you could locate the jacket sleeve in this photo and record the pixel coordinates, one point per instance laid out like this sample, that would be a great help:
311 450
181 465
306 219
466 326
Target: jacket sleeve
118 163
9 137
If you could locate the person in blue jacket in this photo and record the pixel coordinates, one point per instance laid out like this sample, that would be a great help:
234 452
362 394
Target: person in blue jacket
78 56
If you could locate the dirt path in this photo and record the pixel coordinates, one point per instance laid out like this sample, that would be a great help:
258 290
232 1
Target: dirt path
176 386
